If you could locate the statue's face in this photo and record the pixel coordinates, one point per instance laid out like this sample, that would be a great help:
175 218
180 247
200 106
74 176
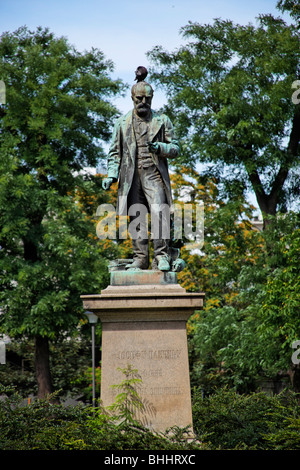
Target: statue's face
142 99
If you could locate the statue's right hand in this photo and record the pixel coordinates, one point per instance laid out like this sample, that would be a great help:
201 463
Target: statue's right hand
107 182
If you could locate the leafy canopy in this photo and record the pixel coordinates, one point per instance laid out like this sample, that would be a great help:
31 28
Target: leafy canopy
230 90
57 114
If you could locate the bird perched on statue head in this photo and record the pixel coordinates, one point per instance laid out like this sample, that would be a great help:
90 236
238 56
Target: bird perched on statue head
141 73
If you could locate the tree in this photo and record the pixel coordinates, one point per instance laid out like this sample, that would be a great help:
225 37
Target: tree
230 245
56 115
230 96
291 6
228 242
246 337
245 332
279 322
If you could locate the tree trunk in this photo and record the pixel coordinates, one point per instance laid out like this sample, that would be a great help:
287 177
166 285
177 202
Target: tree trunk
268 202
42 367
42 364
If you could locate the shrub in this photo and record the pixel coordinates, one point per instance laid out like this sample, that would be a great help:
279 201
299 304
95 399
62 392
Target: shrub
224 420
227 420
43 425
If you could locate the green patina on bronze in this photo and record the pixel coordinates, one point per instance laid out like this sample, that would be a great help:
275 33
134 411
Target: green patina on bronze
143 277
141 144
122 154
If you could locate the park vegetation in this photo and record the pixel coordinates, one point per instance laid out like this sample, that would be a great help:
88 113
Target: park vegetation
232 96
224 421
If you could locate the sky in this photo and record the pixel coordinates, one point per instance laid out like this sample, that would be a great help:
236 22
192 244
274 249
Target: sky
125 30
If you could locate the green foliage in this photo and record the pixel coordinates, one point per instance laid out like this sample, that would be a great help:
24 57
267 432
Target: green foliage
281 297
56 117
229 238
291 6
42 297
46 426
227 420
127 402
268 301
128 407
229 95
70 360
39 426
238 340
251 282
286 437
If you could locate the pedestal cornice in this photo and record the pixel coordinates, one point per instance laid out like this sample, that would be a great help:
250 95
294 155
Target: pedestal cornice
143 302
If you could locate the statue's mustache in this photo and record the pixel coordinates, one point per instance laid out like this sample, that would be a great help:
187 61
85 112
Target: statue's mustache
143 105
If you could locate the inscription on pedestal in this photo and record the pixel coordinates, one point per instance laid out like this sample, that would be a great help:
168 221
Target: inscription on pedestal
163 368
150 354
143 317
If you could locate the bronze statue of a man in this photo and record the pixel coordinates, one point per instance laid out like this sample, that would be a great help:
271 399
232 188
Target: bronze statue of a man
142 142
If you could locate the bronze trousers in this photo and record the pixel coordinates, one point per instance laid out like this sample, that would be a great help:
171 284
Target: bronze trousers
148 195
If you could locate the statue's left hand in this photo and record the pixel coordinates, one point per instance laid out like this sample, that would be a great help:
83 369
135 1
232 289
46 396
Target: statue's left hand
154 147
107 182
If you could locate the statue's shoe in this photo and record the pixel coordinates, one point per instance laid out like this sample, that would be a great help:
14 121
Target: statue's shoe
163 265
135 266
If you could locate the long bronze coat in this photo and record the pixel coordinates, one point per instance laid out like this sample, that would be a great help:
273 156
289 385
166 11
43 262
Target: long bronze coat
122 153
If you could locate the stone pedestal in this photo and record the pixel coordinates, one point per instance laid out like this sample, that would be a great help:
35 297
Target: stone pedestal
143 315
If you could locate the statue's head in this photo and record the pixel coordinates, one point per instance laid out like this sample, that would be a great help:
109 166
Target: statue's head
142 94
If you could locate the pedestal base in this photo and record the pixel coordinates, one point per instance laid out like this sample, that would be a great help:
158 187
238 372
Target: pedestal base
143 319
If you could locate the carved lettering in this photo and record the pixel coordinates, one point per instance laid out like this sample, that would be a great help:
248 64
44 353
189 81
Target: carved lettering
164 391
168 354
151 373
